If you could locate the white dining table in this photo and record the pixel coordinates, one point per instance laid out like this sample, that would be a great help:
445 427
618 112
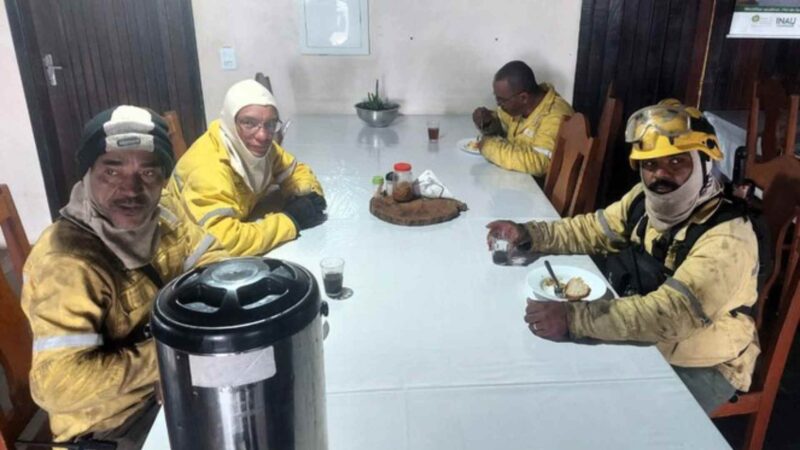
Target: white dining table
431 351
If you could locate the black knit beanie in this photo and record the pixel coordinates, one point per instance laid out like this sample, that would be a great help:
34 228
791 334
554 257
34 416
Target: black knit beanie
125 128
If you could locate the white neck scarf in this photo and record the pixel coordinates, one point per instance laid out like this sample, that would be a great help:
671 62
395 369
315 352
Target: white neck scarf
667 210
135 248
255 170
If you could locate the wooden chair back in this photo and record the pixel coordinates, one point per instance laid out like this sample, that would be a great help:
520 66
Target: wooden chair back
780 120
778 306
607 133
14 234
16 344
179 146
575 148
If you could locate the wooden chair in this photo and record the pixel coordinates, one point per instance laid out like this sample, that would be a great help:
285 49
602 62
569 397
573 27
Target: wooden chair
179 146
13 232
778 307
771 97
575 148
607 133
16 343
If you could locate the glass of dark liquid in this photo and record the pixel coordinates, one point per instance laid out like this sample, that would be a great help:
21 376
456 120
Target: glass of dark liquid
500 249
332 276
433 130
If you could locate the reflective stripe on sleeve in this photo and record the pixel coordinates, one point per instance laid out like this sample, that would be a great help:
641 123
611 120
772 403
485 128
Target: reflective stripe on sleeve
167 215
201 248
178 181
67 341
225 212
544 151
610 234
682 289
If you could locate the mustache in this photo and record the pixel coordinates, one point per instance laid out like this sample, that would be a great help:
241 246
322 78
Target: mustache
656 185
132 201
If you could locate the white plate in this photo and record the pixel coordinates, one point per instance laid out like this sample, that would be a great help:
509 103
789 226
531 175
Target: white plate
537 276
463 145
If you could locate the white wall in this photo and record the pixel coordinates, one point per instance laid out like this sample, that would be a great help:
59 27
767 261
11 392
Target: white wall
19 162
447 67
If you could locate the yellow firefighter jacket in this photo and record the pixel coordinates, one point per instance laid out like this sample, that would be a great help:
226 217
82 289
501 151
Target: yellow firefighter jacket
92 369
529 141
688 317
218 199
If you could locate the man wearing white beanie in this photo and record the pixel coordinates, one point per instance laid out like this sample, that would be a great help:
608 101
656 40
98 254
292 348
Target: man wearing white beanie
235 165
92 277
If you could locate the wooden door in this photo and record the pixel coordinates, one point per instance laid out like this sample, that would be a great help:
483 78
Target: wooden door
79 57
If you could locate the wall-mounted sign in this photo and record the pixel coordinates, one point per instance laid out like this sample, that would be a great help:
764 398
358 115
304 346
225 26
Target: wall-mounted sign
766 19
334 27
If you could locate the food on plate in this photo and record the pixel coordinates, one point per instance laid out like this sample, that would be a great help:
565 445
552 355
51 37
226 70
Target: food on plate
549 282
577 289
472 145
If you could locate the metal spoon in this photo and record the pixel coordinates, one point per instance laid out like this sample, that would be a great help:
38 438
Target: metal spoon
559 291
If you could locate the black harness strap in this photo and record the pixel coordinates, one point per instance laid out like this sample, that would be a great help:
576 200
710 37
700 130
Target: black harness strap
637 223
153 275
638 218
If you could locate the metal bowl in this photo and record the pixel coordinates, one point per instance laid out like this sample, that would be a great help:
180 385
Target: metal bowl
378 119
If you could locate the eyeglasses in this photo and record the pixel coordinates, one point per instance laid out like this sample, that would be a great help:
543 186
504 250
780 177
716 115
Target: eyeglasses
250 126
502 101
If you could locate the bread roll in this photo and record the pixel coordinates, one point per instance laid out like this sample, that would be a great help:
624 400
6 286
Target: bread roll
576 289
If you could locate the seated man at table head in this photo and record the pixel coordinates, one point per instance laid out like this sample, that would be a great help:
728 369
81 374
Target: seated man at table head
92 276
691 300
236 165
521 134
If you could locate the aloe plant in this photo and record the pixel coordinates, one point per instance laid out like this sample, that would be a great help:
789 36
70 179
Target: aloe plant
374 102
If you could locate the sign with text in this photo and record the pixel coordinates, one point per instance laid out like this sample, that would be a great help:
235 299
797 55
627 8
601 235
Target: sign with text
766 19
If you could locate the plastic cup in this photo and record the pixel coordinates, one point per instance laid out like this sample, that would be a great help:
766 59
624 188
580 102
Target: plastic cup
433 130
500 249
332 276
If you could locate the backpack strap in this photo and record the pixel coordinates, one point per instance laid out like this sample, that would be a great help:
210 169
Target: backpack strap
635 213
151 273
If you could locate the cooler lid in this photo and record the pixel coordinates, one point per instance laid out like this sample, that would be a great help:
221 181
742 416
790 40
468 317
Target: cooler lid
235 305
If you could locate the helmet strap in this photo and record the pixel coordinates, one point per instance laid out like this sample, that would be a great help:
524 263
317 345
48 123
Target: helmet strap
704 160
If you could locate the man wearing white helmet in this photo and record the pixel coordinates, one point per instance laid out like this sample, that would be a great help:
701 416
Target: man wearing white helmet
685 260
237 164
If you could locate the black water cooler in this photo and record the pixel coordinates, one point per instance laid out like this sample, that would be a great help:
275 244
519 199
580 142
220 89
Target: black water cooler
240 354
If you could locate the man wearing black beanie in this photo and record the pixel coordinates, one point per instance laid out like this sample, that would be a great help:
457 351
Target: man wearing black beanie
91 278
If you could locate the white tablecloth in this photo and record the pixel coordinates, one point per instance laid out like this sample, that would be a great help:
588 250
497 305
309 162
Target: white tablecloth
731 133
431 351
731 128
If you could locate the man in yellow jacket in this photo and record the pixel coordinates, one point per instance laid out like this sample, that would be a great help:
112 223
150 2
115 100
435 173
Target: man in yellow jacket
235 165
690 299
521 134
92 276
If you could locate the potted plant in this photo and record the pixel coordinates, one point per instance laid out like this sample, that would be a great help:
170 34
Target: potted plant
377 111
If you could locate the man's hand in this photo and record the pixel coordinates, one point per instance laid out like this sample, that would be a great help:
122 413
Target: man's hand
482 117
306 211
479 144
513 232
547 320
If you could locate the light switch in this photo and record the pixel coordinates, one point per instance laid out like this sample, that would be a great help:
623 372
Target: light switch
227 58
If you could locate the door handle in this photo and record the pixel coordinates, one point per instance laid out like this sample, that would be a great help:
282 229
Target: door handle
50 70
